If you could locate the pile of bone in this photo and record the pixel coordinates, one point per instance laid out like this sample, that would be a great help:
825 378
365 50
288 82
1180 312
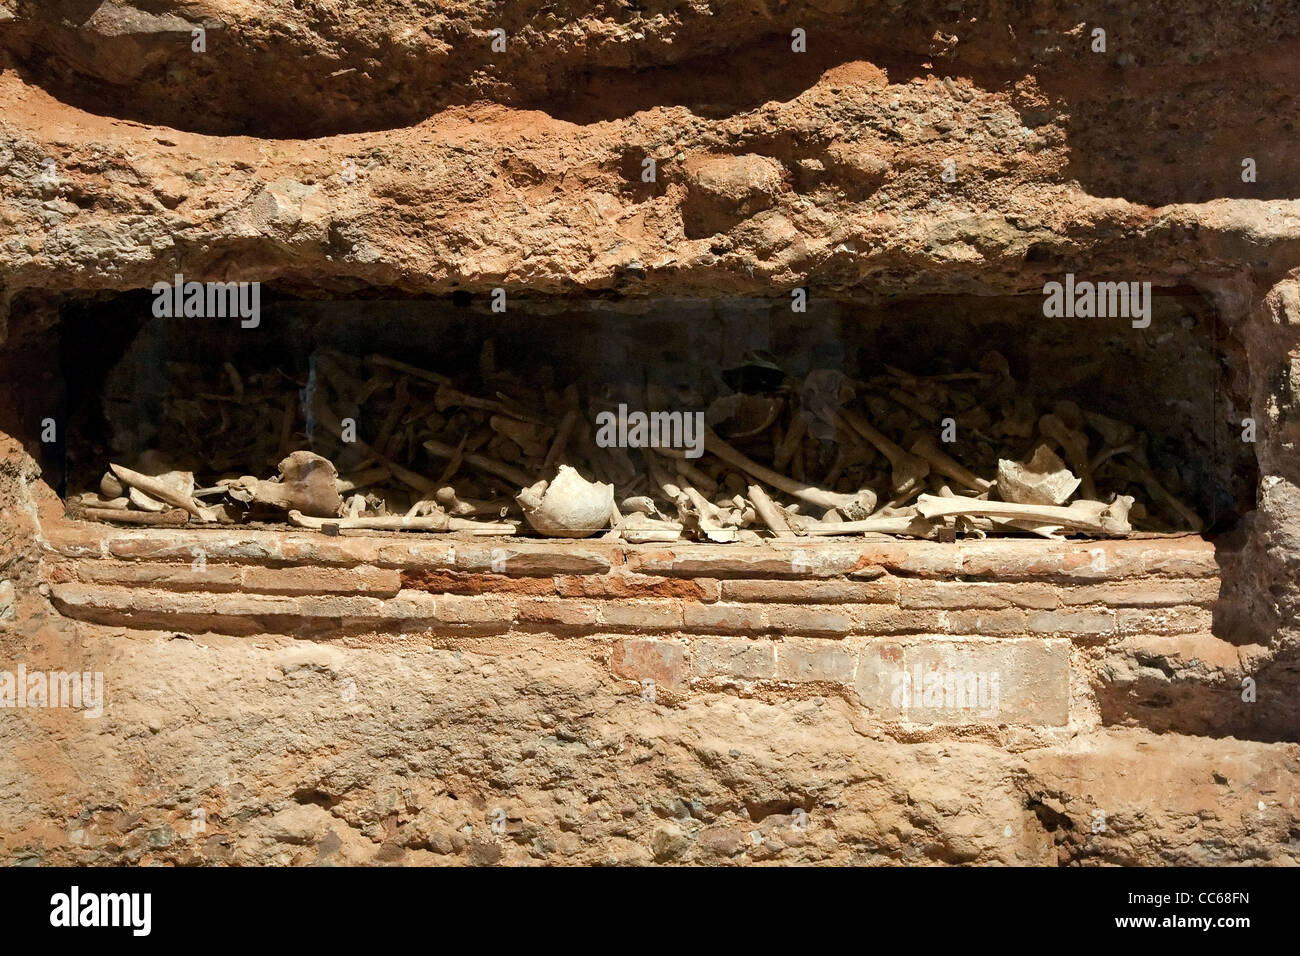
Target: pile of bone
821 455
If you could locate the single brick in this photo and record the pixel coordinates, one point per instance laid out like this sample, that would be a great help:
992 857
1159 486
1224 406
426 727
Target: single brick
646 658
231 613
421 554
879 591
710 560
1005 559
887 554
475 609
1153 592
444 581
919 593
990 623
1169 620
734 657
822 559
1186 557
887 619
1022 681
313 548
76 540
75 595
411 605
630 585
171 576
655 615
1073 622
561 612
155 547
729 561
1102 560
728 618
814 661
810 619
561 561
533 558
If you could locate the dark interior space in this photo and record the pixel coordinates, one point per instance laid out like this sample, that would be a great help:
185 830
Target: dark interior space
221 400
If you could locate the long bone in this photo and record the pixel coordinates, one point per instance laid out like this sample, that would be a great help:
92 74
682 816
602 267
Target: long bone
792 441
908 469
1096 517
411 370
361 479
325 415
913 526
433 522
560 442
859 505
926 447
159 490
772 516
449 397
172 518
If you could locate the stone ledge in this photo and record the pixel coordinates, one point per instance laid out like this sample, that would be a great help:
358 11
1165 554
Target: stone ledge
1011 560
192 576
366 599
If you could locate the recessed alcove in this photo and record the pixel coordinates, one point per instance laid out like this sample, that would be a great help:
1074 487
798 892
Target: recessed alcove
222 400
